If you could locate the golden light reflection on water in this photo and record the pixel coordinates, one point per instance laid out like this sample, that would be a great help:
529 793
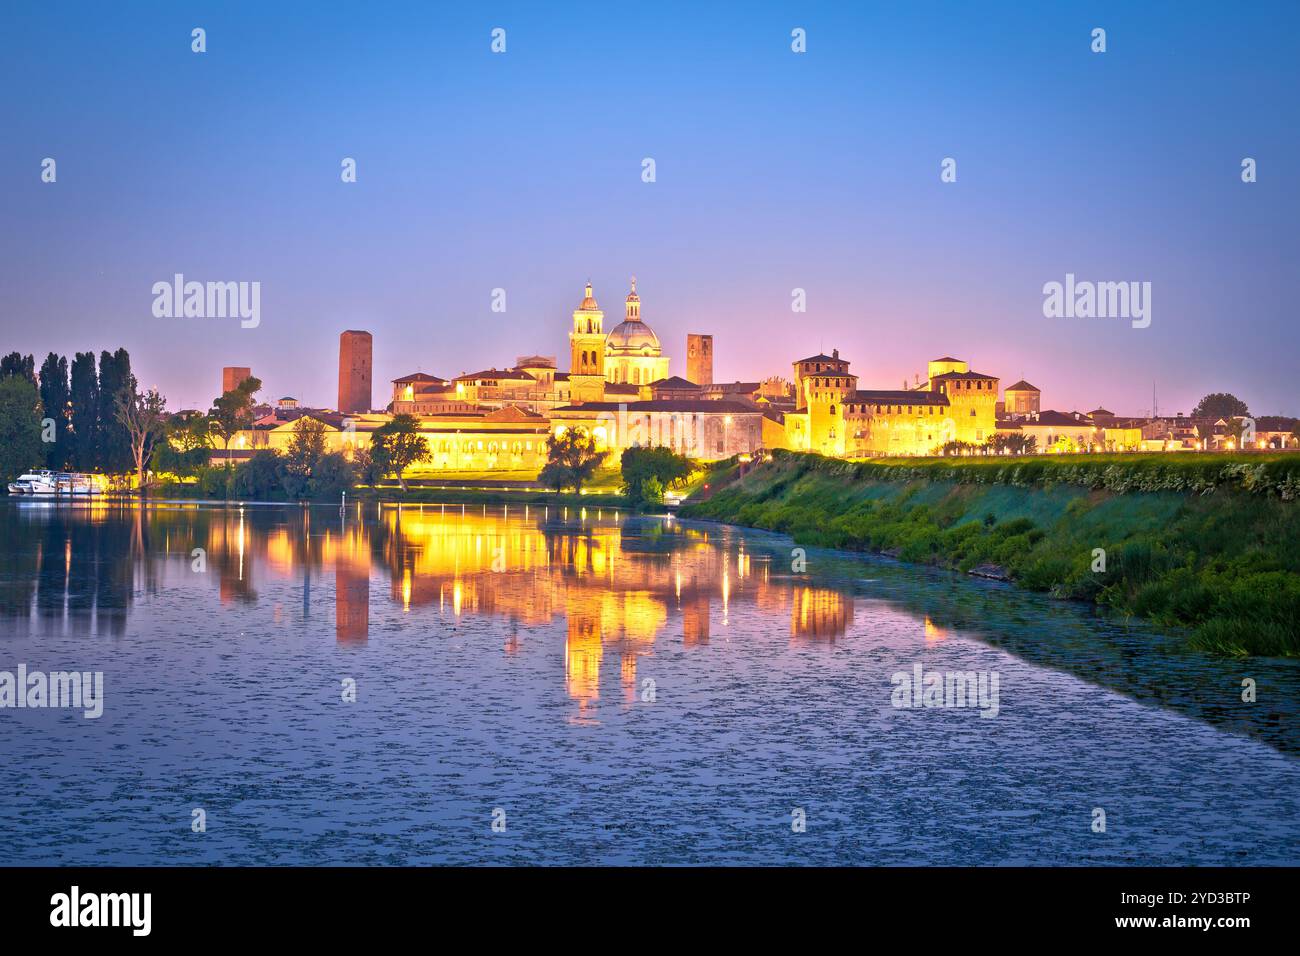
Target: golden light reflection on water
615 589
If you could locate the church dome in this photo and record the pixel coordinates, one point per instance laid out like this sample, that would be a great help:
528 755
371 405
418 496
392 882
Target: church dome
633 336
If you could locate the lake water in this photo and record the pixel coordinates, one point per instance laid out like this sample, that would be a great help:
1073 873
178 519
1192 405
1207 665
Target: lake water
606 688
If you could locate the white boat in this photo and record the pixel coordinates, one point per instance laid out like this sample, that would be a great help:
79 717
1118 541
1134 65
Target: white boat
56 483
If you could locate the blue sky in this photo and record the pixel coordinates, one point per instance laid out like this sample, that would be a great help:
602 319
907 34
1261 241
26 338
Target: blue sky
774 170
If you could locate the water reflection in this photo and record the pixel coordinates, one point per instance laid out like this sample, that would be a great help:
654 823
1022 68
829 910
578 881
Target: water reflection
615 586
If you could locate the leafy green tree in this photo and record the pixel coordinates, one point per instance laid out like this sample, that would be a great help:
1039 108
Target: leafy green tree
261 478
23 366
397 445
571 459
143 416
647 472
233 411
187 447
367 472
85 412
1218 405
306 446
56 402
332 476
113 451
20 427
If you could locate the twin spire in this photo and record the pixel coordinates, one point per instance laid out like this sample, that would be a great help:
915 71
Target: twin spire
633 302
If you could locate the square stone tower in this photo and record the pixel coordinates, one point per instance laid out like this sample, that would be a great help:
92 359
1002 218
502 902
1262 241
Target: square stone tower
699 358
232 376
355 350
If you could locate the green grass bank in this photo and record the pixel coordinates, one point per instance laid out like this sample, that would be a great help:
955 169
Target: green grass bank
1206 542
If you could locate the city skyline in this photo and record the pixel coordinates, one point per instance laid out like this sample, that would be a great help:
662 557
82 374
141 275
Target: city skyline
775 171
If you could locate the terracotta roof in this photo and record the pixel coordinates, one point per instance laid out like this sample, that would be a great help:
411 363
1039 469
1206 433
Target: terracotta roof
675 381
417 377
882 396
1052 417
513 374
719 406
512 413
963 375
1021 386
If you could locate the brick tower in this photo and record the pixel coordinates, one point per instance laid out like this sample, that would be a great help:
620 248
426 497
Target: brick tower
354 371
699 358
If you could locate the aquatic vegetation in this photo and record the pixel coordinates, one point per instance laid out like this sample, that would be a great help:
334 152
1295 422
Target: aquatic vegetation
1210 545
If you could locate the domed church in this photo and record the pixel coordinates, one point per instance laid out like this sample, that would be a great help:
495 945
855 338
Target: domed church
633 354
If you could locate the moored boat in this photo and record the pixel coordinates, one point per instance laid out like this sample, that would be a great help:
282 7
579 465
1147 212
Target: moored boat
57 483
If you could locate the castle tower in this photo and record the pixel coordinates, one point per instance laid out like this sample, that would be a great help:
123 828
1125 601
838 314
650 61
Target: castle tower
232 376
355 351
587 352
824 384
699 358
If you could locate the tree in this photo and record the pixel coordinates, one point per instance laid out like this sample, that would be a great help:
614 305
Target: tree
1235 428
1218 405
646 472
20 365
85 412
187 445
261 477
397 445
571 459
143 418
55 400
367 472
233 411
1012 443
113 449
20 427
332 476
306 446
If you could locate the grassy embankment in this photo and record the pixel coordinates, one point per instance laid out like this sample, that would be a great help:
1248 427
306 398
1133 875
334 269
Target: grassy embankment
1208 542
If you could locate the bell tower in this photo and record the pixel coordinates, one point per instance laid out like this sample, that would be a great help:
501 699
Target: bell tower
587 352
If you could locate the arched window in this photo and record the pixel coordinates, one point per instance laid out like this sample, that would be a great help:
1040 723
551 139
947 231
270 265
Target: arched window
832 412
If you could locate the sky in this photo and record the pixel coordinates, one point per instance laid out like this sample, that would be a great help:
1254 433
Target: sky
774 171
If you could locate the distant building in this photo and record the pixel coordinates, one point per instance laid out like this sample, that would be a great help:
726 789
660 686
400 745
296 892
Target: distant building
1055 432
287 402
699 358
1022 399
669 389
633 354
355 361
837 418
696 428
232 376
